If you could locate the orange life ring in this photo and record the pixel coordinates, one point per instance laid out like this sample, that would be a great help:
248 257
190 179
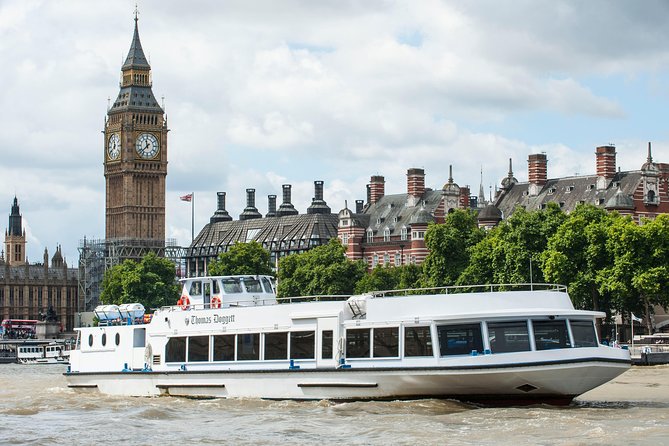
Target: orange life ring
215 302
184 302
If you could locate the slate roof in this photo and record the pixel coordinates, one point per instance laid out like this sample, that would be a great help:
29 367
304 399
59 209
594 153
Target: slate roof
37 272
392 212
287 233
136 57
568 192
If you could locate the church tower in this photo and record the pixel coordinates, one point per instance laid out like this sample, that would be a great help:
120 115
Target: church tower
135 156
15 238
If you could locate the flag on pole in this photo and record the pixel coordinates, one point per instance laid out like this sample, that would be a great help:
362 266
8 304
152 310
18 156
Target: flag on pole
188 197
634 318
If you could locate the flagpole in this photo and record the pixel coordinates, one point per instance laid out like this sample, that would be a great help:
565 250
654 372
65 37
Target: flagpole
632 323
192 218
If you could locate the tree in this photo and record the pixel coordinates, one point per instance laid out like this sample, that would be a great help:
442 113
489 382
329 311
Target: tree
639 275
389 278
242 258
505 254
321 270
151 282
576 256
449 245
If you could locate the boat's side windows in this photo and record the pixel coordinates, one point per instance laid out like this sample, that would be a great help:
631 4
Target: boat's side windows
195 288
231 285
417 341
302 344
248 347
267 285
508 337
549 335
198 348
224 348
214 287
104 339
175 350
357 343
459 339
118 339
584 333
386 342
252 285
276 345
139 337
90 340
327 346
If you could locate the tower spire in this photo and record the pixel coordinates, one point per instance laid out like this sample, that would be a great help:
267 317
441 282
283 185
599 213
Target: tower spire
481 192
136 57
650 156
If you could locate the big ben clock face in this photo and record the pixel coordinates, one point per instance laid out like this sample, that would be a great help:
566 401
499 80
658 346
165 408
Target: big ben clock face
147 146
114 146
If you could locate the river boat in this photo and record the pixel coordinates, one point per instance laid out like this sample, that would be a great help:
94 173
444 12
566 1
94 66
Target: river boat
231 337
39 353
650 349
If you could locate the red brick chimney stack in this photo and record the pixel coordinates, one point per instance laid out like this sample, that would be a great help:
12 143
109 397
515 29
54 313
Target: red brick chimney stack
537 171
606 162
416 182
377 188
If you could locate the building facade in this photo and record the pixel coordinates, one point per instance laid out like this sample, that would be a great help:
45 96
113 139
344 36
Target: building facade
29 291
390 229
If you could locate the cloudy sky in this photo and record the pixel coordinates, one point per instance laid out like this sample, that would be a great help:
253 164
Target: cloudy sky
260 93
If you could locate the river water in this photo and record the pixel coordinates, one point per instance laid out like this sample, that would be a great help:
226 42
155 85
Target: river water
36 407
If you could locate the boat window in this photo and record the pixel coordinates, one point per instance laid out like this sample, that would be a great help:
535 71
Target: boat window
417 341
326 344
550 334
224 348
139 337
584 333
248 347
214 286
252 285
276 345
386 342
198 348
267 285
195 288
357 343
104 339
175 350
459 339
508 337
118 338
231 285
90 340
302 344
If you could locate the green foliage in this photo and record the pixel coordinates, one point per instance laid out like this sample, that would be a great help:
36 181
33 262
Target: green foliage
449 244
389 278
576 255
151 282
242 258
322 270
503 256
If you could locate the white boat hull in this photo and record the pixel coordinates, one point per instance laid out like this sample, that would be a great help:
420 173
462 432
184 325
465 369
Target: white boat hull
552 383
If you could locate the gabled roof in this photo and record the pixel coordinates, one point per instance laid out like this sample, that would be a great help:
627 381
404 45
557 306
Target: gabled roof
288 233
392 212
568 192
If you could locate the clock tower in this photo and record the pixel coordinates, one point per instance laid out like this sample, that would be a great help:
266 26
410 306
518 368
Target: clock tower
135 156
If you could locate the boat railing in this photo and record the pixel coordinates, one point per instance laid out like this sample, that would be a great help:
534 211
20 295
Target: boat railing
460 289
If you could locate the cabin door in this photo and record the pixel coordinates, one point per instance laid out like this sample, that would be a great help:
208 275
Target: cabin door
326 341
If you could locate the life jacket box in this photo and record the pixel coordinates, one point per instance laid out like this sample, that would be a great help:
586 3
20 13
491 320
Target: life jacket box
107 312
131 311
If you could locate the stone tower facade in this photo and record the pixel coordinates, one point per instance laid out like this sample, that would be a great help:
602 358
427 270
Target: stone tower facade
135 155
15 238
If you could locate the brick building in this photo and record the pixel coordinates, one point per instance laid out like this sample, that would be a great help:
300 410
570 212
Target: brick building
26 290
390 229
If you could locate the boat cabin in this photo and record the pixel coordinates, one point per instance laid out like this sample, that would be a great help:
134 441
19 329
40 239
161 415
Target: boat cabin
227 291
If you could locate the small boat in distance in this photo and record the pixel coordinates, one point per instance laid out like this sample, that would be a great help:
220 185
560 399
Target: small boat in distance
231 337
40 353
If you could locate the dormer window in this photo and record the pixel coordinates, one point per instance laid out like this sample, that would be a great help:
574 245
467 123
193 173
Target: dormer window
592 187
570 188
370 236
